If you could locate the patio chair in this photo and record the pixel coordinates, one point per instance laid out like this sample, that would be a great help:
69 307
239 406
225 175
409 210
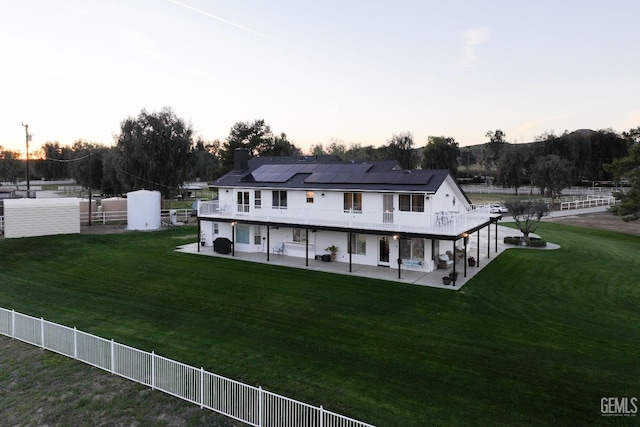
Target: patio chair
278 248
444 261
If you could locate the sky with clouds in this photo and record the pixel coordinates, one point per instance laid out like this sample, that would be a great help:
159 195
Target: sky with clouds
355 71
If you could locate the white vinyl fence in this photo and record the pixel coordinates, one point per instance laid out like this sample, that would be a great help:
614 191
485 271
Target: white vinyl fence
251 405
589 202
167 216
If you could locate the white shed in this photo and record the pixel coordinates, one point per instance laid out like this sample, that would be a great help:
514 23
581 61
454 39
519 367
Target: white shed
41 217
143 210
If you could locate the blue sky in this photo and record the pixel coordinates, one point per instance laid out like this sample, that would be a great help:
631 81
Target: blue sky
355 71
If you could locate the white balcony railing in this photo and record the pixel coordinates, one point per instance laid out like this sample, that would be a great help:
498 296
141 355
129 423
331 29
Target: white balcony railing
445 223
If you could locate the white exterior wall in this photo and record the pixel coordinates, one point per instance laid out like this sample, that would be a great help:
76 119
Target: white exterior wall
41 217
328 206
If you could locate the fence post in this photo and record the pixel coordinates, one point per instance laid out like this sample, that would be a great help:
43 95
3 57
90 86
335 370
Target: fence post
113 368
75 343
201 387
321 424
13 323
153 370
42 332
260 406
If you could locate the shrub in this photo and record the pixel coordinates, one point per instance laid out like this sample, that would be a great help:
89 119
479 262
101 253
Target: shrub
537 243
512 240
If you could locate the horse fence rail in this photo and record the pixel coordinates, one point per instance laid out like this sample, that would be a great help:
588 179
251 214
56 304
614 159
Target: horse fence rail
251 405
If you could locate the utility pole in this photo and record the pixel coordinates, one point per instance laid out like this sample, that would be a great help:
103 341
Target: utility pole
90 178
27 137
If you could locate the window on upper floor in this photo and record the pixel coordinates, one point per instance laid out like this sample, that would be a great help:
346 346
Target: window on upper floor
257 199
243 201
411 202
309 196
279 199
353 202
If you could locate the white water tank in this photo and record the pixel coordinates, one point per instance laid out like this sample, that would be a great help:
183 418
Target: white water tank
143 210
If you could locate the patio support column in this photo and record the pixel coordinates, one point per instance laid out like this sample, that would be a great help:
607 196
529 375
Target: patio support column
233 238
466 238
489 241
454 258
478 249
399 257
199 233
306 238
268 241
349 249
496 237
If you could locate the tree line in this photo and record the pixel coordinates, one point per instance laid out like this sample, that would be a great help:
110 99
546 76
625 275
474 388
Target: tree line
160 151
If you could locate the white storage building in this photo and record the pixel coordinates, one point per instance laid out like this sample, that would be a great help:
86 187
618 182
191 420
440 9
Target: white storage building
41 217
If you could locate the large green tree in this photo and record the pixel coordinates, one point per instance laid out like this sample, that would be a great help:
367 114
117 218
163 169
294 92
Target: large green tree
551 174
628 168
606 145
258 139
205 162
400 148
587 151
86 165
154 152
55 161
11 167
441 152
497 141
511 166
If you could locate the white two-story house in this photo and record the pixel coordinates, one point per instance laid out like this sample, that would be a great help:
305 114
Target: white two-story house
375 213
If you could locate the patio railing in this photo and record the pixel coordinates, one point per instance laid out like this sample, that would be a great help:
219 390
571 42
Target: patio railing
450 223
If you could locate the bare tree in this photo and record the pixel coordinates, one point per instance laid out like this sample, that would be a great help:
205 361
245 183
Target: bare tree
527 214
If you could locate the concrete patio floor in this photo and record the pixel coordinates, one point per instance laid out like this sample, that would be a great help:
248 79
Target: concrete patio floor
407 275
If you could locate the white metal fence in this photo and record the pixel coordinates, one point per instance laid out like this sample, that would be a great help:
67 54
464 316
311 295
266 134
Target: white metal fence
251 405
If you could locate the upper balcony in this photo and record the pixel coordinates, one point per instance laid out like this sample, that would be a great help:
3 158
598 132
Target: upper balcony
437 223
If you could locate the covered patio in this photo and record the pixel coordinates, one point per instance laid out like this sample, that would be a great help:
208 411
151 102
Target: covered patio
490 246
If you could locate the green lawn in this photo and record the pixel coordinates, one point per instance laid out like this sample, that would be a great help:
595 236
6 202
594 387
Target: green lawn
537 338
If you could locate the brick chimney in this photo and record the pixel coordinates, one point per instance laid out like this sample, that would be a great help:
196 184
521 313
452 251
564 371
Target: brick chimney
240 159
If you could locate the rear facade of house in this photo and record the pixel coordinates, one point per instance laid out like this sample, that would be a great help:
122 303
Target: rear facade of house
375 213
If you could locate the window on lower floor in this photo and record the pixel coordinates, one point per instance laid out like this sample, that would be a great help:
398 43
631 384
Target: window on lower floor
359 244
412 249
242 234
216 229
299 235
257 239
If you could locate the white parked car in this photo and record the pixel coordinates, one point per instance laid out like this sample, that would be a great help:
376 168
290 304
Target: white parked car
496 208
